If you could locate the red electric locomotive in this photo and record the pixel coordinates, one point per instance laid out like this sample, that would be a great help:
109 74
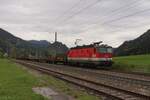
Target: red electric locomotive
94 54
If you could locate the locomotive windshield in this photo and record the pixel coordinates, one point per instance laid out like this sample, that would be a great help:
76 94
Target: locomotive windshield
104 50
109 50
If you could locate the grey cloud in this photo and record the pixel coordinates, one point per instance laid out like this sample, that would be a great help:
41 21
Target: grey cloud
39 19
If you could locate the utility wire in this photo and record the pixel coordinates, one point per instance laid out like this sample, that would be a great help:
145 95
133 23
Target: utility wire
80 11
68 10
122 17
125 7
129 27
115 12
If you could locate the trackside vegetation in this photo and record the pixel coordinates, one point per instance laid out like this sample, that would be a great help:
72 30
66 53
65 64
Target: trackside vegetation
1 53
16 83
137 63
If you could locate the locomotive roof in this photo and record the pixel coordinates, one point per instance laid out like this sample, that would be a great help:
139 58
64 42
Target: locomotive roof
89 46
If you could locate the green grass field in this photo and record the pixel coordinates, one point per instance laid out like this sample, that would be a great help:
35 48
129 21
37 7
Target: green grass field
138 63
16 83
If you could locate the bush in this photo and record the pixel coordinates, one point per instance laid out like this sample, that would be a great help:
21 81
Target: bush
1 55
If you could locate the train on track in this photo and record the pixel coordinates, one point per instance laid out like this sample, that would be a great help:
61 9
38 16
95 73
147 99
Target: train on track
95 54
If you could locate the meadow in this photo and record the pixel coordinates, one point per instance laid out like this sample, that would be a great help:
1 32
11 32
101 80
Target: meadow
136 63
16 83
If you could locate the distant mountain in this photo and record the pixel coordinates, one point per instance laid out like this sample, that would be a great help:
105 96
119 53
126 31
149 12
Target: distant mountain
17 47
40 43
140 45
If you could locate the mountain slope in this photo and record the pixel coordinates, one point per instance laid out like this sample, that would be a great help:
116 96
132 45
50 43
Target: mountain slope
140 45
8 41
16 47
41 43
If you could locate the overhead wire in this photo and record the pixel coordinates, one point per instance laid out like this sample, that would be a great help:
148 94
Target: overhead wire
127 16
115 10
80 10
122 17
119 10
125 7
68 10
129 27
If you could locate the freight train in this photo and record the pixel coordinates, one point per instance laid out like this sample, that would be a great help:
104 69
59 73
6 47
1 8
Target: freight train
94 55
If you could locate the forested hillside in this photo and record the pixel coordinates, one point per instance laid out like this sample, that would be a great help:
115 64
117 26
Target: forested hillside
140 45
16 47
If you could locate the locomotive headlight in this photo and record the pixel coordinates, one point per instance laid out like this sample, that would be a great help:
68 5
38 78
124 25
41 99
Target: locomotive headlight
109 58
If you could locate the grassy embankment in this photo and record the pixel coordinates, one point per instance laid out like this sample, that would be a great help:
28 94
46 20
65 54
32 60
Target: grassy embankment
16 83
137 63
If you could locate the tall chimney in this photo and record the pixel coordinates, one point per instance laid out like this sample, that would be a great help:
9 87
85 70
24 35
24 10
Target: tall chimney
55 36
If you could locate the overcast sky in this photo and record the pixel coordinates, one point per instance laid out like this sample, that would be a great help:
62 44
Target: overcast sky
110 21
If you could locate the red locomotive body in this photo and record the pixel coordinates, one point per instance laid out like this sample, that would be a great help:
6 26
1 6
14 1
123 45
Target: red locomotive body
91 54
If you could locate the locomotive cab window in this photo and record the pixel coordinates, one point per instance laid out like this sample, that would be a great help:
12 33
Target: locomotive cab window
109 50
104 50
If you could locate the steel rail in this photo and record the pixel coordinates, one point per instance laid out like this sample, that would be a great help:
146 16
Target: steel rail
132 78
94 86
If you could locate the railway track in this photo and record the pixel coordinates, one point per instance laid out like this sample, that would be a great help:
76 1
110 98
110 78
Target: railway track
98 87
131 82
